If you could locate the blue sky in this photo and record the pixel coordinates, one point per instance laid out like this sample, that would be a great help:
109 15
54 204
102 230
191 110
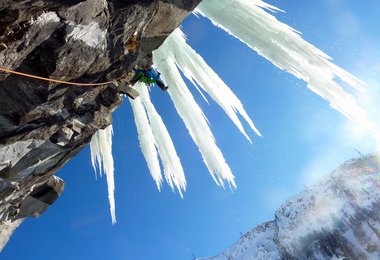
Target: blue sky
303 139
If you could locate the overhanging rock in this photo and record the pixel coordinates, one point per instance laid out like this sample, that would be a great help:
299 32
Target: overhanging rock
43 125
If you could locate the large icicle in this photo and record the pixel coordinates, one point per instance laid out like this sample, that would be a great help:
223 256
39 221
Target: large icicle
284 47
173 170
146 139
193 117
198 72
101 156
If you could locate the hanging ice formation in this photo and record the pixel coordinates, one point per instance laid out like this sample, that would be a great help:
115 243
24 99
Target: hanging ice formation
284 47
253 25
152 134
175 54
101 157
146 140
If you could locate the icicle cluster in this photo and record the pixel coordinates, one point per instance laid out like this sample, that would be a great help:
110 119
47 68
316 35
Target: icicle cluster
252 24
174 55
284 47
154 137
101 157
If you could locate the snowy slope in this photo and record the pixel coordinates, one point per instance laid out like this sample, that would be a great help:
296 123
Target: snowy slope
256 244
337 217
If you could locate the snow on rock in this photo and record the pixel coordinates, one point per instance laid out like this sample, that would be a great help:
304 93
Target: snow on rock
257 244
45 18
336 218
285 48
90 34
6 230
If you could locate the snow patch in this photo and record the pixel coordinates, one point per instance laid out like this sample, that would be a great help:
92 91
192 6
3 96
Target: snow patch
45 18
90 34
7 229
256 244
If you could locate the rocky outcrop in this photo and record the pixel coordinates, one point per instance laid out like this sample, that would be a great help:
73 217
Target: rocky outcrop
42 124
337 218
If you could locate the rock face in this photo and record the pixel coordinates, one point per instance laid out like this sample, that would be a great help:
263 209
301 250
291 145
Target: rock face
337 218
42 124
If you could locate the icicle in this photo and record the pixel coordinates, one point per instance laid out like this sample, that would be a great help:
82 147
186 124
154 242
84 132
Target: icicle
95 155
284 47
146 139
101 155
198 72
193 118
173 170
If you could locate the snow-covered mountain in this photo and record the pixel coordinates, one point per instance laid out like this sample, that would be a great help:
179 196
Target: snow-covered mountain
336 218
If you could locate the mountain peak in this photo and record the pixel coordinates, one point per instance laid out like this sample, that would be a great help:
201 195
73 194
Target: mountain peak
337 217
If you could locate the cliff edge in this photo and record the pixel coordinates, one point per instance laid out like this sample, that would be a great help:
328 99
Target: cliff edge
44 124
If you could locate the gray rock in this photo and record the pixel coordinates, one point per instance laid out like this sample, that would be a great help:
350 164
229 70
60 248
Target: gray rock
43 124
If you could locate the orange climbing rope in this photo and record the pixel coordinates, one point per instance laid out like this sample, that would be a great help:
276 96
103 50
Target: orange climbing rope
54 80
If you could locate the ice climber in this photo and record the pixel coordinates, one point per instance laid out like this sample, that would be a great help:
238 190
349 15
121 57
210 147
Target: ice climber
149 76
